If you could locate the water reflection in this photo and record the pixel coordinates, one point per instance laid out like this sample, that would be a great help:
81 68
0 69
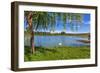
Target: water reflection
52 41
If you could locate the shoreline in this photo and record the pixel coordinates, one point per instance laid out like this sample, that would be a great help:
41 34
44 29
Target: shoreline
84 41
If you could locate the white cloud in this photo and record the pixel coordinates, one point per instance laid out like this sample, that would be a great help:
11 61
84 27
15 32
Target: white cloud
86 22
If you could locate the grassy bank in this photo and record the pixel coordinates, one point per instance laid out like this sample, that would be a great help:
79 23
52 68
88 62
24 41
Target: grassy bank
57 53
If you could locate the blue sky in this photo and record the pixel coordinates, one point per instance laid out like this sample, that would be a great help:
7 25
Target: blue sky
84 28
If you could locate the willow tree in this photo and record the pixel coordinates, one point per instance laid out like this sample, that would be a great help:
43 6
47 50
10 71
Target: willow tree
75 20
47 20
29 17
36 20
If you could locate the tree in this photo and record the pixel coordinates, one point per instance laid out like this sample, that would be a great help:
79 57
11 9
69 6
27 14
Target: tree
75 19
47 20
36 20
29 20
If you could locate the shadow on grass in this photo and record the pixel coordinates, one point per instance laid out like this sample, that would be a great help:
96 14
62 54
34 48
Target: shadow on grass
43 50
39 49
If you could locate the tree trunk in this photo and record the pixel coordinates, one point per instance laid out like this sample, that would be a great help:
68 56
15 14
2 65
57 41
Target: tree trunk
32 42
29 18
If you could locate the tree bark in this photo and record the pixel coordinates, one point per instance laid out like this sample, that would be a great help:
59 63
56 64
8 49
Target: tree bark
29 18
32 42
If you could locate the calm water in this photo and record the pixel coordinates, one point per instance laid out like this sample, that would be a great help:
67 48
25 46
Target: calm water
51 41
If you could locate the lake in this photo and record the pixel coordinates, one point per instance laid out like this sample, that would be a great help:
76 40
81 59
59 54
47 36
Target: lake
52 41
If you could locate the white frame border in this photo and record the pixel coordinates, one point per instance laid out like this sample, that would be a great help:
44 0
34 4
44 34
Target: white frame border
34 64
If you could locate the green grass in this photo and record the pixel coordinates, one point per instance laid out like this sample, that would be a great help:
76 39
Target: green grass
57 53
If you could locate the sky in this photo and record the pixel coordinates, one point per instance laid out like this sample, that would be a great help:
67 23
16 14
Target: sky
84 27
